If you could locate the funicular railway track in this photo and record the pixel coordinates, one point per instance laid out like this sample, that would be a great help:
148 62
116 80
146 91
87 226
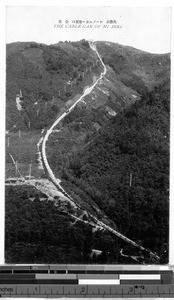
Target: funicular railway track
58 185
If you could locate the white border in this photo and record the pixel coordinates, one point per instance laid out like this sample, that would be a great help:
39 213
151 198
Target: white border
122 3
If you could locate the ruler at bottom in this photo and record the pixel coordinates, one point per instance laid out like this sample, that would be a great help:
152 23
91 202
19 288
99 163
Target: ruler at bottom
82 291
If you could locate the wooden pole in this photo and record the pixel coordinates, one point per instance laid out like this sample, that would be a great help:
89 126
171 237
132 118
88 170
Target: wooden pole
130 179
30 171
16 165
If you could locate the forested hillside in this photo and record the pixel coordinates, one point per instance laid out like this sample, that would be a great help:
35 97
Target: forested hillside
48 76
37 232
140 70
111 152
125 169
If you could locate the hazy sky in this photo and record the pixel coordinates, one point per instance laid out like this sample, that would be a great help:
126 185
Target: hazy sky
146 28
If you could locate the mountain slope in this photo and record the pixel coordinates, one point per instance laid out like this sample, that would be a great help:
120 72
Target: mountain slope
137 69
49 76
125 170
112 151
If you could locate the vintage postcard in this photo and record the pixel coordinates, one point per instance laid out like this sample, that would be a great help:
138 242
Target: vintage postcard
87 134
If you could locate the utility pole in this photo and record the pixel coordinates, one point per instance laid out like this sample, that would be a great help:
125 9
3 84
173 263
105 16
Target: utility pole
129 197
16 166
37 112
29 172
130 182
8 142
46 105
59 93
29 124
19 134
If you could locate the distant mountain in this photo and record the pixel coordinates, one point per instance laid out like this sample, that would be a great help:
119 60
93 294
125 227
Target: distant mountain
48 76
137 69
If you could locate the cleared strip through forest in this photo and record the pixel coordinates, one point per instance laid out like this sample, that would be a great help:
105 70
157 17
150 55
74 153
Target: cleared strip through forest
56 182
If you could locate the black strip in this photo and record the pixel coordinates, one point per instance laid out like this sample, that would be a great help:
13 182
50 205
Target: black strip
40 281
21 271
94 271
6 271
76 272
17 281
113 272
16 276
140 282
57 271
30 271
141 272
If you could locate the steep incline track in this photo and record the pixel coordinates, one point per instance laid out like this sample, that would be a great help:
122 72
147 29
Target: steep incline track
57 181
50 130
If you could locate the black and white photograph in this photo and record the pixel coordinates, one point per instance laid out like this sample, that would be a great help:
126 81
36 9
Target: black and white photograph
87 135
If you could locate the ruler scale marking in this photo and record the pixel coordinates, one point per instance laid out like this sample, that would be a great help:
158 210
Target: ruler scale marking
86 281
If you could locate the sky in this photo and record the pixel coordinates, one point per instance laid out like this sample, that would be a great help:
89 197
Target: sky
145 28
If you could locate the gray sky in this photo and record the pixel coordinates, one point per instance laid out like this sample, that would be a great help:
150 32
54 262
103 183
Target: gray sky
146 28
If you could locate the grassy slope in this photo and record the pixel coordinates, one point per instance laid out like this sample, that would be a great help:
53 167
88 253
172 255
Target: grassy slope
24 151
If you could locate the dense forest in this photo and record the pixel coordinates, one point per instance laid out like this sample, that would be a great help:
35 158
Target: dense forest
37 232
111 152
125 170
134 144
135 68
